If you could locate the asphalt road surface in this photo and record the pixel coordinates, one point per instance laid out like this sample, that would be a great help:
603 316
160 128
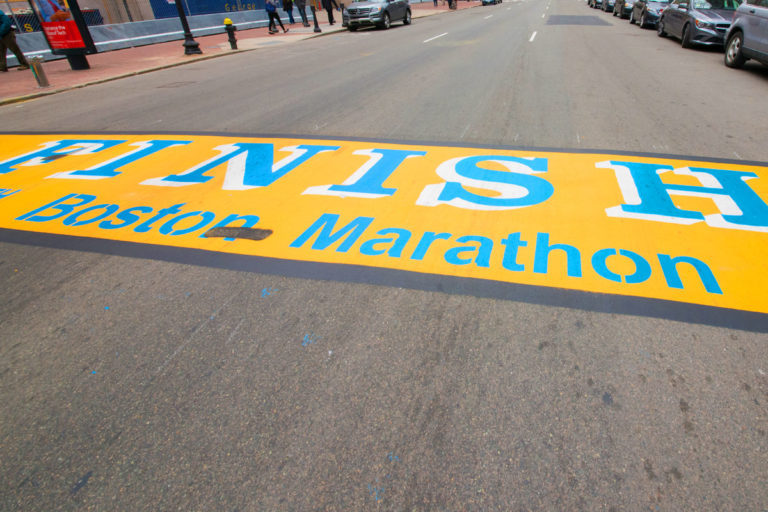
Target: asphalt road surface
138 384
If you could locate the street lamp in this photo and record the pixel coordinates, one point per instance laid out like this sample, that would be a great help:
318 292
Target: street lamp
191 47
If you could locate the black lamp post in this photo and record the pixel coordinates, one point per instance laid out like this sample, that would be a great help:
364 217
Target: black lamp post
191 47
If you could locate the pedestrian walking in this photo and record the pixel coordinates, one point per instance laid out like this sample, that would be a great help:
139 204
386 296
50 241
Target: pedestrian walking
301 5
271 8
435 2
329 9
8 42
288 8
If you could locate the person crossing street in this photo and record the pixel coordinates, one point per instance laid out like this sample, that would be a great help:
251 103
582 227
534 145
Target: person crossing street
8 42
271 8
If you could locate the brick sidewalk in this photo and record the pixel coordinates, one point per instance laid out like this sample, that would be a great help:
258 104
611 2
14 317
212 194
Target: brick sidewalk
21 85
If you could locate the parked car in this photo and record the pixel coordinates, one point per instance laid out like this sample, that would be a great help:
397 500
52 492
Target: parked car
491 2
702 22
380 13
607 5
623 8
646 13
748 36
595 4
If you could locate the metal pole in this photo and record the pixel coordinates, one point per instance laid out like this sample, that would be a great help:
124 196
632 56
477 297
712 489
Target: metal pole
127 10
36 63
191 47
314 16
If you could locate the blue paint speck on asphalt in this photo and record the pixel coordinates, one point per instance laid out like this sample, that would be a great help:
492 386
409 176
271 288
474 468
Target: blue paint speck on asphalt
266 292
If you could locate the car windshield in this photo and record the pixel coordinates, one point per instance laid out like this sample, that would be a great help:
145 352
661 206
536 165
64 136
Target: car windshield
730 5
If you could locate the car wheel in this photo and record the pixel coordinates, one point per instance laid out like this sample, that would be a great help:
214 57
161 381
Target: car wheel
734 58
407 19
632 17
352 28
643 21
386 21
685 41
660 28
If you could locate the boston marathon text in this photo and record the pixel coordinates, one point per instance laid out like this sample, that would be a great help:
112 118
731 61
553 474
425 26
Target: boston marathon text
514 253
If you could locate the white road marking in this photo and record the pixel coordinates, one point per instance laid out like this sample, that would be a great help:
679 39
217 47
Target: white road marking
433 38
533 36
543 15
491 16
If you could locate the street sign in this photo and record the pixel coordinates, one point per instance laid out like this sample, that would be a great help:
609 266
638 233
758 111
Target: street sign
65 29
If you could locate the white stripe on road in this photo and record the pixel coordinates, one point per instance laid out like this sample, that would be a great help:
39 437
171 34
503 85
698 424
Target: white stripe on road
433 38
533 36
543 15
491 16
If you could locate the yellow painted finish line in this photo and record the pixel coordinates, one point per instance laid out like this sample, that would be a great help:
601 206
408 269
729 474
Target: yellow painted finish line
661 228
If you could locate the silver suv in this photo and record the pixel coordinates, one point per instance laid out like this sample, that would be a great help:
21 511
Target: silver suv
380 13
748 36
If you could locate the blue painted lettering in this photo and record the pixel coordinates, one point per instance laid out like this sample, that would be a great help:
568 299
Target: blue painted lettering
647 197
57 149
669 267
368 180
398 243
516 188
642 267
109 168
543 249
327 237
63 208
483 258
249 165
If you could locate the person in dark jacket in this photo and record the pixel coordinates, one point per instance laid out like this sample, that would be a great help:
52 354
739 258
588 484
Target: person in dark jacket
8 42
271 8
288 8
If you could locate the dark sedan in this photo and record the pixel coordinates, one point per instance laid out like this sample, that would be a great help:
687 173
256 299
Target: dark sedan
646 13
702 22
595 4
607 5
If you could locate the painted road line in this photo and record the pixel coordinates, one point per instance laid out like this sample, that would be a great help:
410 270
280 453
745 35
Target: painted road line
533 36
433 38
652 228
488 17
